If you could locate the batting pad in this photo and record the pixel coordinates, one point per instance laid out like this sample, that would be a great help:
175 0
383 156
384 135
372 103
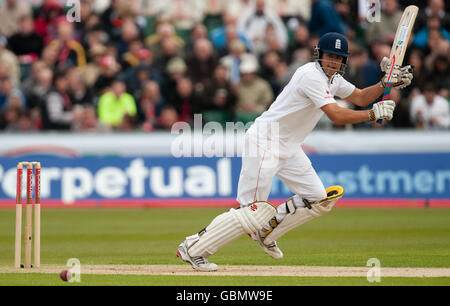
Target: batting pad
299 215
231 225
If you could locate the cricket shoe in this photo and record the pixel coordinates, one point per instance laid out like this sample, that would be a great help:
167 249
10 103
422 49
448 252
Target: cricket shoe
272 249
199 263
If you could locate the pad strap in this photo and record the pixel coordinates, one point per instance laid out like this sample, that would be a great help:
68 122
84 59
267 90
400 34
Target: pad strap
290 206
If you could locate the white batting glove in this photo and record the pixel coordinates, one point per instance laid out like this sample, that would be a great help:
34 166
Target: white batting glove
382 110
401 76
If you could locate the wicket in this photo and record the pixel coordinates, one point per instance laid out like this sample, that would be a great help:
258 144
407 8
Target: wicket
29 218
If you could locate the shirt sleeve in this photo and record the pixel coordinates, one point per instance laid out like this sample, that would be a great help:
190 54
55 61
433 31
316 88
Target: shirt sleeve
345 88
316 90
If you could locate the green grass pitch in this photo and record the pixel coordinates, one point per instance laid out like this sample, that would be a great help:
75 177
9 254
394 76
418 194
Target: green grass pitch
344 237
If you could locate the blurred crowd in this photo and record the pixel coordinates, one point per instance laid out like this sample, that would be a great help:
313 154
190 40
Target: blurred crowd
142 65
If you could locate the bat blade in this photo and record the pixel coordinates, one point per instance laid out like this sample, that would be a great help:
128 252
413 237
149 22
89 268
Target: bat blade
400 44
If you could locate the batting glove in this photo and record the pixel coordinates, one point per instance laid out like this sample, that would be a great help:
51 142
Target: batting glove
382 110
401 76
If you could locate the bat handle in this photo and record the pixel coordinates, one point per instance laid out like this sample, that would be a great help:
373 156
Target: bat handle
386 94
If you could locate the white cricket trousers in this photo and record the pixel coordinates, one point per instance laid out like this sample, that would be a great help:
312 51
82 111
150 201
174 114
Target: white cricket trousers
260 163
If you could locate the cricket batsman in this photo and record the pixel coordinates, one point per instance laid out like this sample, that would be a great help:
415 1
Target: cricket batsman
273 148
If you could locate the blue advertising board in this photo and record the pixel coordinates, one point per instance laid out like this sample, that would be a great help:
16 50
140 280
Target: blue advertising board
69 180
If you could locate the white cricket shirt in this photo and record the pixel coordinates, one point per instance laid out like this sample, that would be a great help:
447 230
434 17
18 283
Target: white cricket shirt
296 110
439 111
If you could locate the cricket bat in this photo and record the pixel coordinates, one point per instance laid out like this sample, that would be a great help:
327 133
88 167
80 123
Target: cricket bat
399 46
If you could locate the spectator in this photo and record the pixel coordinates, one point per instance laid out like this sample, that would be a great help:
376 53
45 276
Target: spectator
26 43
10 95
137 77
169 50
237 8
95 36
429 110
129 38
89 123
21 121
70 51
416 59
144 71
201 64
9 61
131 58
176 70
441 75
45 24
9 117
57 110
198 32
289 10
436 45
214 10
50 56
128 123
110 68
255 24
218 98
324 19
269 62
38 86
254 94
168 117
300 40
79 92
433 24
385 31
433 8
31 80
149 104
232 61
273 43
363 71
114 104
183 14
268 66
149 8
111 20
282 75
85 21
93 68
221 36
164 30
185 101
11 11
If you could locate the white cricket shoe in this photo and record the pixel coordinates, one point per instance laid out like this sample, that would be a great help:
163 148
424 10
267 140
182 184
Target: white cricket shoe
272 249
198 262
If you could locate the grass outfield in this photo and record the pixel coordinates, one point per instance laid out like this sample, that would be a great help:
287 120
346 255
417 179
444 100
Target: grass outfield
344 237
152 280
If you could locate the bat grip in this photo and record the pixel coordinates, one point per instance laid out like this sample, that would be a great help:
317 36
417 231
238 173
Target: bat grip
386 94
